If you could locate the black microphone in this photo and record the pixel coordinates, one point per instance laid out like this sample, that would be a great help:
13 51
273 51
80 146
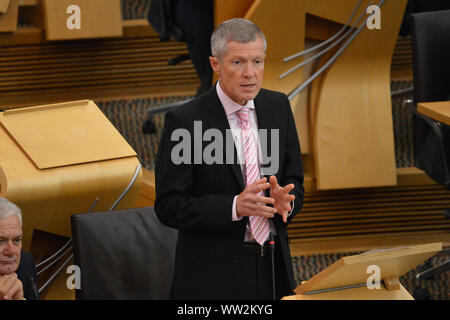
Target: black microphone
272 253
34 289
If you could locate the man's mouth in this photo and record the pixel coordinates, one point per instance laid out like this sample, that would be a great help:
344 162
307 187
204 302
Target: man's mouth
248 86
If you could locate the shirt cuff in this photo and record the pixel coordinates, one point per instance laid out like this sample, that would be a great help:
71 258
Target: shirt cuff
234 216
292 208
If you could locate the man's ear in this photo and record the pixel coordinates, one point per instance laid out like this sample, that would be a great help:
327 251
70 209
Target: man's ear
215 64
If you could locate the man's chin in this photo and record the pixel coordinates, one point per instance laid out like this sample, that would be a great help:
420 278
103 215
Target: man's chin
8 268
250 95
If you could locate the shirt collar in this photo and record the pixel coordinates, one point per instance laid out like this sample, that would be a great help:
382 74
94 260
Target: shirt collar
229 105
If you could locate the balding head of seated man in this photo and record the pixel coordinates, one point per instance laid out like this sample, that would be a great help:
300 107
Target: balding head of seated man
17 270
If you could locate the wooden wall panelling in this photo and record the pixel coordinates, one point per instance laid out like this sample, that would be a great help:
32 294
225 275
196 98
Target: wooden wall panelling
228 9
371 211
34 71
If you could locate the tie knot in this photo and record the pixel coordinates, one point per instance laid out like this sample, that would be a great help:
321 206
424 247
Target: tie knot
243 114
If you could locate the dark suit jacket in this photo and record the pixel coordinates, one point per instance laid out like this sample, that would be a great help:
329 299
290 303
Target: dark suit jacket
197 199
26 272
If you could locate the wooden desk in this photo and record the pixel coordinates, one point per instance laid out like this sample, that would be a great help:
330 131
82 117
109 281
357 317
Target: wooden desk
439 111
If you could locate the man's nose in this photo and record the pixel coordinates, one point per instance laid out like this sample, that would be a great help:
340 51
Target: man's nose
10 249
249 71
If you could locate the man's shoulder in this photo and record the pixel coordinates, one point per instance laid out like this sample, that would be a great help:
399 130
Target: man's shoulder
272 99
194 107
271 93
26 264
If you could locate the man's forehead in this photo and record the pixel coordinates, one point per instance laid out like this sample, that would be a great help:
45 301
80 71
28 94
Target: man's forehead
10 226
254 45
12 234
245 54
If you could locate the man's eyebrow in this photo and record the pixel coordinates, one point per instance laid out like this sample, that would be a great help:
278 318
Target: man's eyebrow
6 238
239 56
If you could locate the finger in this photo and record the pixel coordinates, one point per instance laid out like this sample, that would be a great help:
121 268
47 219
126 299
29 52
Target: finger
255 188
258 209
3 289
249 204
8 285
265 200
289 198
287 204
16 286
273 181
263 213
259 181
288 187
263 208
285 216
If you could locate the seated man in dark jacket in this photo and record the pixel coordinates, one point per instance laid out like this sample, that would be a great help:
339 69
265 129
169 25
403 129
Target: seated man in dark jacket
17 270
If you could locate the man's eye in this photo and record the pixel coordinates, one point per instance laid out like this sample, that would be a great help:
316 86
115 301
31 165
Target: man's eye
236 62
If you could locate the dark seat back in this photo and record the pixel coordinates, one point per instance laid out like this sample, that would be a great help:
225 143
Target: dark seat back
126 254
431 66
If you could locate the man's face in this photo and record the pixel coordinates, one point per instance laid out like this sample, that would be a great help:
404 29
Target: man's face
241 69
10 244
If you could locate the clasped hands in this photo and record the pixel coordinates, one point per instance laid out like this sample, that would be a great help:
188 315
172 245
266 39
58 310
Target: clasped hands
11 287
251 202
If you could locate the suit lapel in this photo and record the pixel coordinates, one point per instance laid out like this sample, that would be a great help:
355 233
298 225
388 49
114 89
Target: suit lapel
218 119
265 122
261 113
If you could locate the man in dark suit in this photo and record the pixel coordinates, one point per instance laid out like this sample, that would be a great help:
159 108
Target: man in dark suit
226 205
189 21
17 270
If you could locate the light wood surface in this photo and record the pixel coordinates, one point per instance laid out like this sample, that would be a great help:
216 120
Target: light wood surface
79 133
4 4
228 9
58 289
362 293
439 111
285 37
100 18
352 270
28 2
8 20
147 195
365 242
48 197
353 136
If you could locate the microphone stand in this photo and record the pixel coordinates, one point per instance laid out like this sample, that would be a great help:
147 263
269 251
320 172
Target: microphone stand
272 253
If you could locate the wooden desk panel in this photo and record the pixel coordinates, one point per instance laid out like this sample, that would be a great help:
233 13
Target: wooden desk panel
439 111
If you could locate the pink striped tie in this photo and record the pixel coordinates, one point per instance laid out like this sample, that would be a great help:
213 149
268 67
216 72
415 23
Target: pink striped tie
259 226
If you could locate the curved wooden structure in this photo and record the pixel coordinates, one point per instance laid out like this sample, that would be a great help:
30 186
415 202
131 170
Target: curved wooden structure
348 138
353 138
